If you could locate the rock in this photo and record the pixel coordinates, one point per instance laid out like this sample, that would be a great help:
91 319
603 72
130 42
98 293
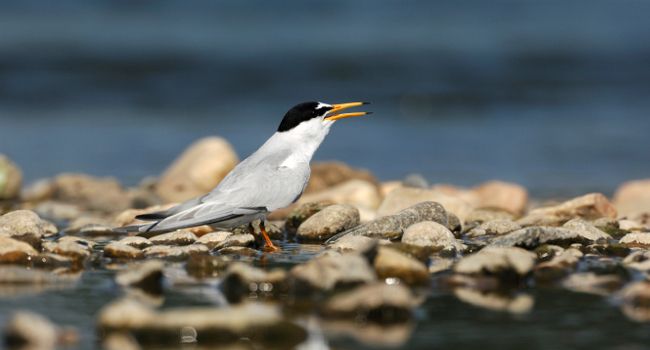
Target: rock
454 225
57 211
206 266
492 260
635 301
328 272
88 224
359 193
392 227
77 252
179 237
392 263
119 250
50 261
328 222
510 197
261 324
589 282
174 253
589 207
633 198
214 239
626 226
244 281
637 257
587 230
97 194
354 244
147 276
402 198
26 226
299 214
610 226
480 216
438 264
27 330
494 228
38 191
236 240
531 237
517 304
328 174
641 240
11 178
387 187
239 251
559 266
136 242
431 234
198 170
81 241
15 252
415 181
377 302
607 249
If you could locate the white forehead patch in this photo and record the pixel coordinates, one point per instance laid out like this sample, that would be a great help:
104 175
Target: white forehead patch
322 105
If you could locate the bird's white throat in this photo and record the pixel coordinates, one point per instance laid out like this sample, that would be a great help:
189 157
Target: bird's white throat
299 143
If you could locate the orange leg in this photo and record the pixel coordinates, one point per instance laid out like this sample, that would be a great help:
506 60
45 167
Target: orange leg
268 245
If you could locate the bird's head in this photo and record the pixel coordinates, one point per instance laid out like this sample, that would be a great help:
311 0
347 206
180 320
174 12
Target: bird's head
316 117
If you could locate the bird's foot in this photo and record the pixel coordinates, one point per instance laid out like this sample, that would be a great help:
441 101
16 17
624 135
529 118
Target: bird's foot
268 244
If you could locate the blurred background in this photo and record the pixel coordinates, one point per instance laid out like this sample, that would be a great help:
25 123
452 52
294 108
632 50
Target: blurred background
553 95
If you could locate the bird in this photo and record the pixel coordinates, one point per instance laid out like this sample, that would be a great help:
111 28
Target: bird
272 177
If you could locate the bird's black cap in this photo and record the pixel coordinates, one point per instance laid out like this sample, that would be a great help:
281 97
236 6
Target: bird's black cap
302 112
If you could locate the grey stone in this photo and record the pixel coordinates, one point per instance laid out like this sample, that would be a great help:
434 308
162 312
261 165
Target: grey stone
494 228
392 263
15 252
587 230
136 242
432 235
354 243
27 226
328 222
531 237
496 261
180 237
393 226
214 239
301 213
236 240
119 250
174 253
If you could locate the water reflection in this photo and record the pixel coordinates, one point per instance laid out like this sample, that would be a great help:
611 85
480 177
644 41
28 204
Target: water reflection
513 303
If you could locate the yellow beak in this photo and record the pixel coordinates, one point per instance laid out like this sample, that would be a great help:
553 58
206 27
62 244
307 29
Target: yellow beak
339 107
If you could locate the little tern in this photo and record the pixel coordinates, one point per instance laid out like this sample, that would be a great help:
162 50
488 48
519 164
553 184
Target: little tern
271 178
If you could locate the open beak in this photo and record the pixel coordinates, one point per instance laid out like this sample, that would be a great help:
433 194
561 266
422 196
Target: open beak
334 115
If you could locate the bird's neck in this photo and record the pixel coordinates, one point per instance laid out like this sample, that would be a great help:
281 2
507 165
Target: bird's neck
299 147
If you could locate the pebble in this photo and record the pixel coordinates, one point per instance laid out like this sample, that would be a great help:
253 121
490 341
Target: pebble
325 175
431 234
197 170
180 237
236 240
355 192
510 197
392 263
15 252
327 272
97 194
301 213
136 242
587 230
641 240
239 251
70 248
119 250
214 239
60 211
147 276
405 197
516 304
328 222
494 228
393 226
11 178
494 260
27 226
350 243
534 236
483 215
242 281
28 330
262 324
174 253
376 302
590 207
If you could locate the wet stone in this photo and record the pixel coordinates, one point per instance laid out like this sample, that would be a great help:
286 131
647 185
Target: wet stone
376 302
174 253
15 252
547 252
69 248
558 267
243 281
608 249
118 250
27 330
431 234
354 243
531 237
236 240
136 242
27 226
611 227
587 230
393 226
79 240
262 325
438 264
239 251
327 272
207 266
147 276
328 222
180 237
214 239
503 261
494 228
301 213
641 240
392 263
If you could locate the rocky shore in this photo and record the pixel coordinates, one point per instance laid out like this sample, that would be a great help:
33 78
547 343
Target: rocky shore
356 254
